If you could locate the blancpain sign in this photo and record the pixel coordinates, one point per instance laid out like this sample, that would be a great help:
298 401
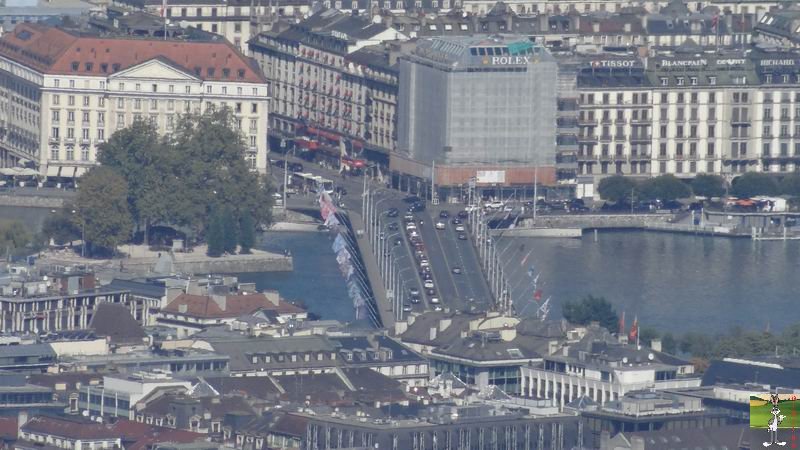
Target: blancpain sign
684 63
507 60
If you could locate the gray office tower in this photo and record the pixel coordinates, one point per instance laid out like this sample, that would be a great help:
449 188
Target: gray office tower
481 100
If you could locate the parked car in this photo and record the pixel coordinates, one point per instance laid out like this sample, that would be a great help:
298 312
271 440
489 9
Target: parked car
415 299
428 284
444 214
440 225
392 212
407 308
456 221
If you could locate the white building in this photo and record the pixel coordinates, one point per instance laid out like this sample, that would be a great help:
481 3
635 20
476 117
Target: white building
62 95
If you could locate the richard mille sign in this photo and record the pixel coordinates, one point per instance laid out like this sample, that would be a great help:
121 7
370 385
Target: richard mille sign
506 60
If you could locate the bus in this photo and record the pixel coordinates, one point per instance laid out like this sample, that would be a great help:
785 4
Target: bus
311 182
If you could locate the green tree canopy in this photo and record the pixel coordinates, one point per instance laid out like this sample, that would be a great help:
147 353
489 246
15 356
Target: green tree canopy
591 309
708 186
230 231
666 188
616 188
790 185
754 183
102 208
247 232
215 236
180 179
142 158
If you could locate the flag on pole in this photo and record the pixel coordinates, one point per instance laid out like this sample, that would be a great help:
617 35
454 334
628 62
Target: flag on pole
339 243
633 335
331 221
537 295
622 324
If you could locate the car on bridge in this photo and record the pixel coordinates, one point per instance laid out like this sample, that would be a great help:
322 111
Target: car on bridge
392 212
440 225
428 284
407 308
444 214
462 236
460 228
457 270
463 214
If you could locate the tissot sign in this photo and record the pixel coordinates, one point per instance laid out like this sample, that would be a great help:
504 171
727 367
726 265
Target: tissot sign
506 60
613 63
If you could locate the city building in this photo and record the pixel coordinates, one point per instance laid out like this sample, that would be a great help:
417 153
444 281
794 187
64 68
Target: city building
685 114
18 395
594 364
584 6
441 427
481 351
288 355
330 90
729 436
66 93
237 21
118 395
33 304
190 313
482 107
639 411
14 12
180 363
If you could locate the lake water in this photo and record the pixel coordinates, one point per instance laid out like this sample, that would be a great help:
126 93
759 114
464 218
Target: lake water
672 282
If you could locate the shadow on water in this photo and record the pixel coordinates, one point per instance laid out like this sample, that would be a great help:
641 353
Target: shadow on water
673 282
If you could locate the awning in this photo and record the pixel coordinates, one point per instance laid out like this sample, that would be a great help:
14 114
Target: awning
18 172
79 171
52 171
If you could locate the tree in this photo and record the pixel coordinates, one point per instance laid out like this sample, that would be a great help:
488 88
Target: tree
591 309
60 226
247 232
708 186
790 185
215 236
666 188
752 184
669 344
14 238
616 188
102 209
230 232
140 156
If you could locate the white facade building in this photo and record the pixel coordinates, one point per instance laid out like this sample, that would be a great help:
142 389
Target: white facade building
62 95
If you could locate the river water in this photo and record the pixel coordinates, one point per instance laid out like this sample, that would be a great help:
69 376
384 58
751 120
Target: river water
672 282
315 281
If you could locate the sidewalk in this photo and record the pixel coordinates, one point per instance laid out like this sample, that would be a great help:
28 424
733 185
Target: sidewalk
373 272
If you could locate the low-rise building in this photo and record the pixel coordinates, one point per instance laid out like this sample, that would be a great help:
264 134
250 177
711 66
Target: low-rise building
598 367
118 396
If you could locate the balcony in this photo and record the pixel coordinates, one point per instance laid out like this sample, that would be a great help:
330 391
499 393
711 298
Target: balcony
86 141
586 157
643 120
641 138
620 137
587 138
786 119
54 140
606 120
69 140
587 122
605 138
639 156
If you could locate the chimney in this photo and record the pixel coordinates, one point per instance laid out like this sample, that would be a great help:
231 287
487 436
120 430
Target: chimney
627 27
183 308
596 27
22 419
655 344
552 347
444 323
432 334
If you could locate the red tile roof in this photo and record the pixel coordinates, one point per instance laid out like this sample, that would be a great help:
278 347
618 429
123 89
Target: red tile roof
234 306
68 428
55 51
136 434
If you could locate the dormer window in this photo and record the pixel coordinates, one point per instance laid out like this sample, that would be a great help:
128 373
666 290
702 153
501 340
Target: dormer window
104 67
75 66
226 72
210 71
88 66
115 67
240 73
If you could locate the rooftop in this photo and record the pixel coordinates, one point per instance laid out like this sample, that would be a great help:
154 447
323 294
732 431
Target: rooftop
55 51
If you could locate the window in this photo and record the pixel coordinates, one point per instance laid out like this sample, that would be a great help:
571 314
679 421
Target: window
170 105
85 100
71 100
70 116
101 134
120 120
153 104
138 86
54 154
54 132
84 153
208 89
85 134
70 153
710 150
137 103
154 87
664 81
55 116
188 89
712 80
56 99
252 141
86 117
237 27
72 84
254 108
711 131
